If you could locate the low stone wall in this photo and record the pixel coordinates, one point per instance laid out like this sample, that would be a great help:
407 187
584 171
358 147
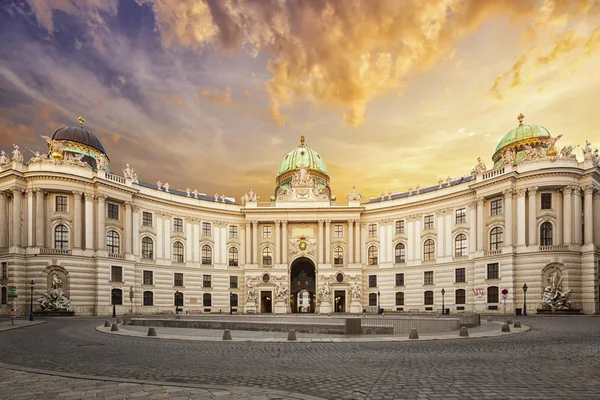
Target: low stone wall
403 325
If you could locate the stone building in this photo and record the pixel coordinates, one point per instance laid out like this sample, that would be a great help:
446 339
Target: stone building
469 244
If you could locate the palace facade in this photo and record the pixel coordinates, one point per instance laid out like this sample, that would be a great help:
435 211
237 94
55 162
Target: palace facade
471 244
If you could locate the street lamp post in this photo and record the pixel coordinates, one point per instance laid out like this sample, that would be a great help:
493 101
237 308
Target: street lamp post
230 303
443 304
113 292
378 302
31 302
177 302
524 299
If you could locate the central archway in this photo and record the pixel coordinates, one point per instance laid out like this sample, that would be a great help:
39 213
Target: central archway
303 286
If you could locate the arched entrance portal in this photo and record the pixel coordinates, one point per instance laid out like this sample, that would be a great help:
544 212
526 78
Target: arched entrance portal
302 286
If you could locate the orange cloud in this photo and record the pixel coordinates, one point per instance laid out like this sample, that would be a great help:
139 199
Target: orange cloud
218 97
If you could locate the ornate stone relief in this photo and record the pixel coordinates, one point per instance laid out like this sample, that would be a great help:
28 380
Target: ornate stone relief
302 189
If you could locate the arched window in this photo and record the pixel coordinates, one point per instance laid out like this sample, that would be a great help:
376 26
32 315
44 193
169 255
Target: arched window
112 242
206 255
116 297
399 298
492 294
546 234
178 299
148 298
61 237
206 300
147 248
460 245
372 299
429 298
233 257
233 300
460 296
338 255
267 255
372 253
496 238
400 253
178 252
429 250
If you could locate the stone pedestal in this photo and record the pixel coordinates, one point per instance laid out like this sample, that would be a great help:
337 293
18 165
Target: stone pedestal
325 307
250 307
280 307
355 306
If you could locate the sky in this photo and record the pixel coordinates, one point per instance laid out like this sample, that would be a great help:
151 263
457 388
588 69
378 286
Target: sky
212 94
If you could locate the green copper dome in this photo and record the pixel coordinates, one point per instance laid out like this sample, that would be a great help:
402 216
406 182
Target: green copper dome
302 157
522 132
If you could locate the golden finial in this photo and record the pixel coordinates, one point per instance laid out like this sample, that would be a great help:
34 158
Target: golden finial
520 118
81 120
302 140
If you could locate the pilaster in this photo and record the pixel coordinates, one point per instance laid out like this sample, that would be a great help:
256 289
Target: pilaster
89 220
30 239
350 241
567 214
508 218
532 215
589 215
521 221
101 222
480 225
3 220
77 219
17 218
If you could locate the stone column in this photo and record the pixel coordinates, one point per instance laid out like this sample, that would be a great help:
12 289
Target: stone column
3 221
589 215
167 236
284 243
17 217
508 217
159 236
89 221
532 215
521 224
567 214
577 233
254 242
127 227
320 242
328 242
362 249
101 217
480 225
248 229
30 194
135 231
350 241
597 219
277 242
472 227
77 219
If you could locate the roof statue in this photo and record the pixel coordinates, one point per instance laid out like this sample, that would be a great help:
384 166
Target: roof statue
3 158
480 168
520 117
81 120
17 156
354 195
302 140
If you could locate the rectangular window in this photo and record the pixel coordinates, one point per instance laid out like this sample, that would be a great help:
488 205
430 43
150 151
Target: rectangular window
428 298
496 207
178 279
116 274
460 297
148 298
233 231
177 225
148 278
233 282
493 271
428 222
117 297
233 300
61 204
372 280
4 270
206 281
460 275
372 299
399 279
399 227
113 211
207 300
338 231
206 228
546 201
492 294
147 219
267 232
428 278
461 215
372 230
399 298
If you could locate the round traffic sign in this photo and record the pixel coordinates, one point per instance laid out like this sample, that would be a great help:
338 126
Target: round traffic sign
505 291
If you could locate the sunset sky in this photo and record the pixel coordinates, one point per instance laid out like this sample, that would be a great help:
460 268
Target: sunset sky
212 94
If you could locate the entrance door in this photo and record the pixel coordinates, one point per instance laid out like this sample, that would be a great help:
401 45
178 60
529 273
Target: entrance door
303 298
266 302
339 301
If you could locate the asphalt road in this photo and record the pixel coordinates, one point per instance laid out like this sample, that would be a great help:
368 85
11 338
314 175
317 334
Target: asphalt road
559 358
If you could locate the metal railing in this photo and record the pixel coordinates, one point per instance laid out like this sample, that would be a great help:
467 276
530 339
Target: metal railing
392 325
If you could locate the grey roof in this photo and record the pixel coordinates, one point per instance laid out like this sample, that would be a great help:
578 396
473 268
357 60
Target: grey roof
80 135
184 193
429 189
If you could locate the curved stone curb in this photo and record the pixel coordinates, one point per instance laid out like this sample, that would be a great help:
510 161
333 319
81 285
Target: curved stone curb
11 327
252 390
365 338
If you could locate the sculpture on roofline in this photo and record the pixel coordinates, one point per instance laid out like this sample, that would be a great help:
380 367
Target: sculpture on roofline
250 196
587 149
551 152
17 156
480 168
596 158
166 186
354 195
509 157
3 158
567 152
101 162
37 157
128 173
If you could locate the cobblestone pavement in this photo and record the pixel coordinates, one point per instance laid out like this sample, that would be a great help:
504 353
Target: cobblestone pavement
558 358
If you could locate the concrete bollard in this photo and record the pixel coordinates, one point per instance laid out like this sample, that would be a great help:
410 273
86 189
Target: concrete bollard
509 321
292 335
151 331
413 334
107 324
517 324
505 328
463 331
119 321
114 328
226 334
489 318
